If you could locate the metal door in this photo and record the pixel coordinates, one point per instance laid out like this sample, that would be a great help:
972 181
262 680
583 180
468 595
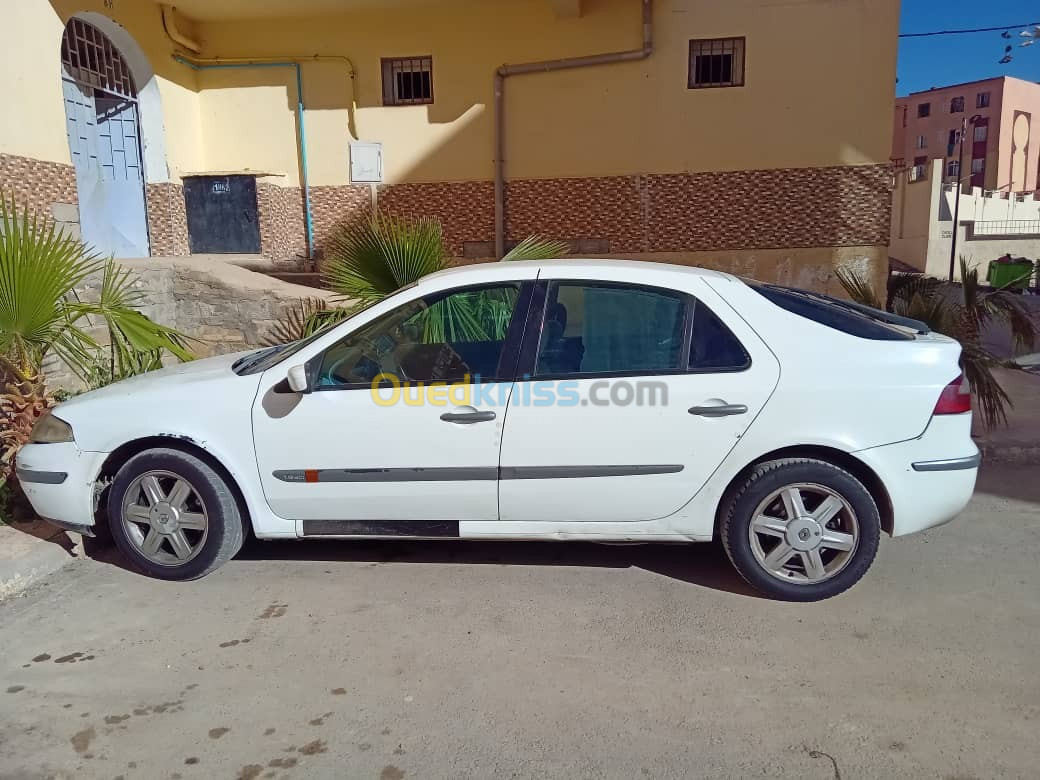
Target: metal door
105 141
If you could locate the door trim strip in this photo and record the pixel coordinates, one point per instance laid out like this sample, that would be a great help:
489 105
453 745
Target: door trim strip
581 472
471 474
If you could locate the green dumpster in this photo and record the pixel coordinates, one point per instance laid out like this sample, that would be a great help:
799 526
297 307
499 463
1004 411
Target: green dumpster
1004 274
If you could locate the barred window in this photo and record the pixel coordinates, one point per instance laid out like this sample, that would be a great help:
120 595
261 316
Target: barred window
716 62
407 81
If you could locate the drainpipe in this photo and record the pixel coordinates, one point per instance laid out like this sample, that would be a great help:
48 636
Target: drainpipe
170 26
301 134
544 67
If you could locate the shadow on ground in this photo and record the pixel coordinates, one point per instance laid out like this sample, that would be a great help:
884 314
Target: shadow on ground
704 565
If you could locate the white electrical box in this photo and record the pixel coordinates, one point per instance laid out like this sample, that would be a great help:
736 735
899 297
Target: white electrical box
366 162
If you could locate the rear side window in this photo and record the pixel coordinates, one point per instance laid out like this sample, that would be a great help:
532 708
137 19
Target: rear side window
592 328
830 313
713 347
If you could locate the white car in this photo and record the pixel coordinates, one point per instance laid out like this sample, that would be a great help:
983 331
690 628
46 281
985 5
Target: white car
577 399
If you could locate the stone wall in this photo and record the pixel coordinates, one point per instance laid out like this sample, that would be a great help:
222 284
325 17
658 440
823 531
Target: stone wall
222 307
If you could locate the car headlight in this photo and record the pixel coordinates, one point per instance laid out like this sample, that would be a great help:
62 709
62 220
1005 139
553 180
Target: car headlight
50 430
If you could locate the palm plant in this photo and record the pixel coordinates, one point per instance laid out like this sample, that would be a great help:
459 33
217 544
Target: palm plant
40 314
961 312
369 259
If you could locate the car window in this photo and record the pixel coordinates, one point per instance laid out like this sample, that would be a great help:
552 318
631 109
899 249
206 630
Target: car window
445 337
594 328
713 347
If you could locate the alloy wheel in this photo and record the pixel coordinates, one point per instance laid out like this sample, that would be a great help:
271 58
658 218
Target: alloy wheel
165 518
804 533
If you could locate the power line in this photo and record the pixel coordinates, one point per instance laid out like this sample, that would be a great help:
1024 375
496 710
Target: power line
964 32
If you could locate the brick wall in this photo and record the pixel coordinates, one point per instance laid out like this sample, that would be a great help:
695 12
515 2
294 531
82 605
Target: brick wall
685 212
36 184
167 220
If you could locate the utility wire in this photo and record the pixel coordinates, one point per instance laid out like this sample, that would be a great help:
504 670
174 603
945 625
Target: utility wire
963 32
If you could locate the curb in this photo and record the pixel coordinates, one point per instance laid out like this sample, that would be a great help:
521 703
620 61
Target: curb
26 558
1020 454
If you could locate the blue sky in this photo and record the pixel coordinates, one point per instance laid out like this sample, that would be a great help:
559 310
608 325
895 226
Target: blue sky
951 59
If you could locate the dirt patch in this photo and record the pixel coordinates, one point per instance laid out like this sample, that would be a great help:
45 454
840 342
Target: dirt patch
313 748
217 733
81 739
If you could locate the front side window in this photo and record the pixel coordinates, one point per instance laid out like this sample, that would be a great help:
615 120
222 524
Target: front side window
595 329
445 337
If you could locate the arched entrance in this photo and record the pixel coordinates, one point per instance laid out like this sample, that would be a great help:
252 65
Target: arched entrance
104 132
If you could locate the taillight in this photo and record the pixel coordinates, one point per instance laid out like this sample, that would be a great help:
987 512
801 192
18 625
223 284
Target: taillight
955 398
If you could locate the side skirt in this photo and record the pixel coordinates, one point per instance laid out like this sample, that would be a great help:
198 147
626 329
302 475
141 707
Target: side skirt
422 529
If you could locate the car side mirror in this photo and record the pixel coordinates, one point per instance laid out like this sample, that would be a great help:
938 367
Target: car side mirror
299 381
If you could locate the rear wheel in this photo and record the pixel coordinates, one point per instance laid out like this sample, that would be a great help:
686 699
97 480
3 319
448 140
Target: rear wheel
173 515
801 530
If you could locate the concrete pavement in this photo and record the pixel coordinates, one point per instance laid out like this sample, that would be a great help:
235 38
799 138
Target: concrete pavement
446 660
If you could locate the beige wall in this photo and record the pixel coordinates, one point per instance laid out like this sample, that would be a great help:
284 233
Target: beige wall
32 122
579 123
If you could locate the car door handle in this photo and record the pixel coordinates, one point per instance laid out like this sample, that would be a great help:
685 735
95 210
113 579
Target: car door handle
718 410
467 415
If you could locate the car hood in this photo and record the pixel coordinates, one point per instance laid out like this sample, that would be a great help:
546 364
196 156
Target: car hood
178 380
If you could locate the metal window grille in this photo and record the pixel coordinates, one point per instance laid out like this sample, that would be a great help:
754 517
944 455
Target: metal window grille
716 62
89 58
407 81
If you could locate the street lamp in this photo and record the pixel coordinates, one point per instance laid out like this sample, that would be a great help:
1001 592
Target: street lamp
965 123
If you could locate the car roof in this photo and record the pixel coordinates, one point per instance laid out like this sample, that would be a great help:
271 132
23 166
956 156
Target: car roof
592 266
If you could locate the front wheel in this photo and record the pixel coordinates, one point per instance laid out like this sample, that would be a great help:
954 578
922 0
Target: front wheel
173 515
801 529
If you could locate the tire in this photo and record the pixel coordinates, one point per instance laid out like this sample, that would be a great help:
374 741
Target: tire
167 530
844 545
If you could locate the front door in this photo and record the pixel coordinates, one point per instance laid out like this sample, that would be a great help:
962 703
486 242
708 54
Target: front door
104 137
396 428
635 397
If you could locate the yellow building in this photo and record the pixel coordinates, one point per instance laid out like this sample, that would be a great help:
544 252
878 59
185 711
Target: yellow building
751 135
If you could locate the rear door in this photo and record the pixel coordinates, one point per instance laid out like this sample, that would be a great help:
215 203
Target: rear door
634 396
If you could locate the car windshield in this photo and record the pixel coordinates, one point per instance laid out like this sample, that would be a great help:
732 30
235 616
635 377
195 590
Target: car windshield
263 359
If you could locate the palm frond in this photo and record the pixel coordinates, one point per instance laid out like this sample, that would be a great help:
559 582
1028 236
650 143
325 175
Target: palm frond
370 259
40 267
537 248
294 324
857 287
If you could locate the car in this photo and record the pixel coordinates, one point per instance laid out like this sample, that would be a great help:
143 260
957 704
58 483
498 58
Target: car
597 400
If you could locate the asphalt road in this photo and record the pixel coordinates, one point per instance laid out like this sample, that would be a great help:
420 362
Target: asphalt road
449 660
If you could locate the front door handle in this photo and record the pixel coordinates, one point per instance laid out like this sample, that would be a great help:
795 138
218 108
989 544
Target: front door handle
718 410
467 415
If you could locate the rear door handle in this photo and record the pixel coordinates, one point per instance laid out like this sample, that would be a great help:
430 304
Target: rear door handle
467 415
718 410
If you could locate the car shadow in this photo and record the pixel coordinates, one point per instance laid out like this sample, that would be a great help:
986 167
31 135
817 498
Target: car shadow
702 565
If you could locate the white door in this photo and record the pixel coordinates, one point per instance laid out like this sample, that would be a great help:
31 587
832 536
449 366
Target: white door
408 450
105 142
648 391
